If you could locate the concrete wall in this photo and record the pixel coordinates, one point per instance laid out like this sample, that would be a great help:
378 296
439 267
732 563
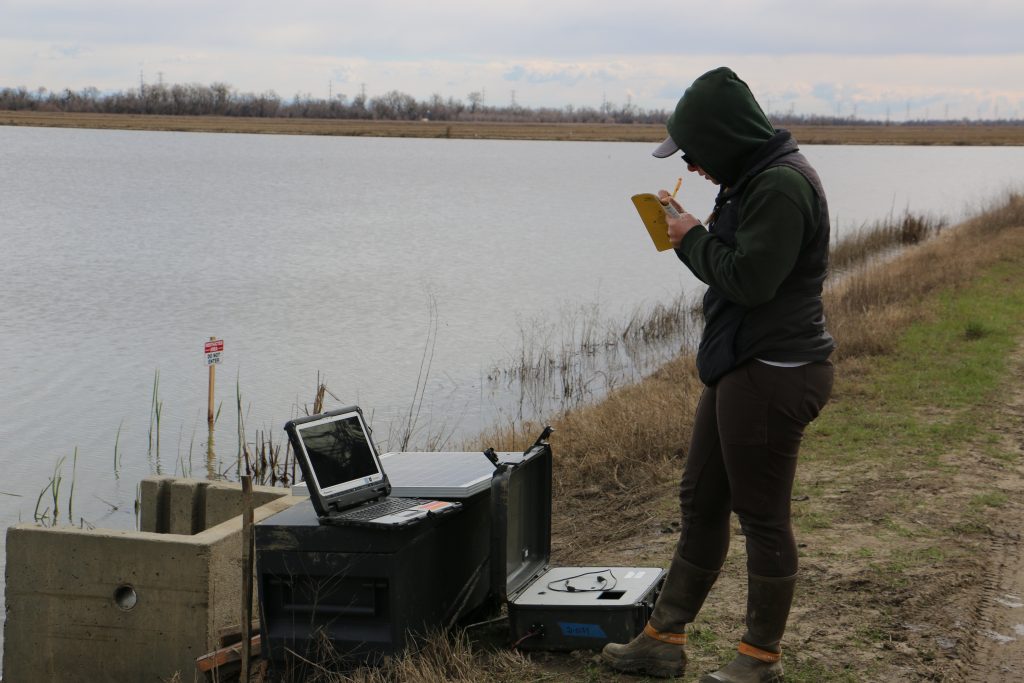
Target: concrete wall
188 506
106 605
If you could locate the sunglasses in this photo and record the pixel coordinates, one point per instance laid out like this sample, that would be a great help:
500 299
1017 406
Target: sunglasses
688 161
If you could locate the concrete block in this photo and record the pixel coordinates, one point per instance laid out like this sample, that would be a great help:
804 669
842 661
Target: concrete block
170 505
108 605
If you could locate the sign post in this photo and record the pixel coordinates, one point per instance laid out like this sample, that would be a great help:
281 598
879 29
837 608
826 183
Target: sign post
213 349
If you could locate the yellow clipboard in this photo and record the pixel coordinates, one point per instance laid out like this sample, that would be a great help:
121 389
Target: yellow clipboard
652 213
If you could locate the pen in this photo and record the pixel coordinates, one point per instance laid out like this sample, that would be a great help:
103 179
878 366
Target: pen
678 184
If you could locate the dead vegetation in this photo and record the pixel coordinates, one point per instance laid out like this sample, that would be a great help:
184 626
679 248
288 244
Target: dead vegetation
877 134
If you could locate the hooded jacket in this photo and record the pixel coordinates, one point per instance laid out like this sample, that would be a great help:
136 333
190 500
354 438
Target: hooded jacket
764 254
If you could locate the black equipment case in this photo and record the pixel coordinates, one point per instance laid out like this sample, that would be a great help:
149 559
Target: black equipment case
357 594
561 608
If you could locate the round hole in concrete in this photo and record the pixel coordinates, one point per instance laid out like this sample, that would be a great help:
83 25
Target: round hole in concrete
125 597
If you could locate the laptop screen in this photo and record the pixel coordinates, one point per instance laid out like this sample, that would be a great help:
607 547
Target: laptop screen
339 452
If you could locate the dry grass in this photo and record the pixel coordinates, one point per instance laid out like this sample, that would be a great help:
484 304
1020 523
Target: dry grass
869 307
436 658
882 237
952 134
911 134
341 127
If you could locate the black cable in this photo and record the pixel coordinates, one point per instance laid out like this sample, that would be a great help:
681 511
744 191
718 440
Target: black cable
567 588
529 635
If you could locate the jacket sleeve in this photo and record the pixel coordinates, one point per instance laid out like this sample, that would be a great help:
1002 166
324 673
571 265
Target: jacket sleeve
774 216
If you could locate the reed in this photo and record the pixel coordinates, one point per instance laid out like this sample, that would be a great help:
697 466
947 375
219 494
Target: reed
240 423
561 366
155 412
71 492
51 514
117 450
265 463
185 460
409 426
137 506
883 237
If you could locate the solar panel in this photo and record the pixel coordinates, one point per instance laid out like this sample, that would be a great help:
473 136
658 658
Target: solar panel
439 474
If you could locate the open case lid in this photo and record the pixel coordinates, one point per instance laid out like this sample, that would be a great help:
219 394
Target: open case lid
521 519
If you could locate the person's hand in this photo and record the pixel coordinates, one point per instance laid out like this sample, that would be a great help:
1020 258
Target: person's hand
677 227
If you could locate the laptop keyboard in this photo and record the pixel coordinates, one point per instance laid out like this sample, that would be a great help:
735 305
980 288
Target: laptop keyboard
385 507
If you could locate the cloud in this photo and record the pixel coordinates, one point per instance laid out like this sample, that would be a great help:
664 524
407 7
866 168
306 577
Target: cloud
61 52
566 30
796 53
568 75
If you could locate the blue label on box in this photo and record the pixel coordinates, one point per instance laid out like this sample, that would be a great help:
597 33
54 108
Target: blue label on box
581 630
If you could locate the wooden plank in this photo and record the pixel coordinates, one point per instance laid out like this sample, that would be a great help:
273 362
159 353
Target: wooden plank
227 655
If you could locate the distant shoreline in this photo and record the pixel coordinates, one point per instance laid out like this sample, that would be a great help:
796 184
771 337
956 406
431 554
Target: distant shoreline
860 134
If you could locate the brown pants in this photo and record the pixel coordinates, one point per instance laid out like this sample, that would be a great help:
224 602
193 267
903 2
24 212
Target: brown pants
742 459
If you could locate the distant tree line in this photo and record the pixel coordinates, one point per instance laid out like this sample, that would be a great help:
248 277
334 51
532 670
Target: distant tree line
220 99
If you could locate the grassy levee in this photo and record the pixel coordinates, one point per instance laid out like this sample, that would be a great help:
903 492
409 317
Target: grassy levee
905 481
875 134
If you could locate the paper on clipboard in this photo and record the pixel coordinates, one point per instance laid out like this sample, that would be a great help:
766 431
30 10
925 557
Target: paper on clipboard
652 213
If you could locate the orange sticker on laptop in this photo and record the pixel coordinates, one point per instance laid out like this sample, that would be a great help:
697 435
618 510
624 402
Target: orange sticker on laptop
434 505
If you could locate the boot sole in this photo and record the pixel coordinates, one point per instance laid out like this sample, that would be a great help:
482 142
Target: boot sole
644 666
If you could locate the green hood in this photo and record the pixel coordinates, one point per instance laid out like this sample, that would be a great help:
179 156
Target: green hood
719 125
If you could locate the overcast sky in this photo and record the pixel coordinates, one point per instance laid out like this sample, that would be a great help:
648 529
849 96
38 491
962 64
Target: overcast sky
935 58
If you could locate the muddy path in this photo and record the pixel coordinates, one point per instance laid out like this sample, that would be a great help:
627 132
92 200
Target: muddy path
954 613
998 621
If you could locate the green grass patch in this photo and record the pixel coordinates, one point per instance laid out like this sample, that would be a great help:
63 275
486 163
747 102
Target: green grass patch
702 637
997 451
807 520
992 499
911 406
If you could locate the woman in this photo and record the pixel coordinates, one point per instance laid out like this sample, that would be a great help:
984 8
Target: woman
763 358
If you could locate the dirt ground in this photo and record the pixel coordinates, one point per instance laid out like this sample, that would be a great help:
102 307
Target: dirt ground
944 601
997 621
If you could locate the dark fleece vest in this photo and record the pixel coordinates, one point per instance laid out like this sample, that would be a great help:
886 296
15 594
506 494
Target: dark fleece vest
791 326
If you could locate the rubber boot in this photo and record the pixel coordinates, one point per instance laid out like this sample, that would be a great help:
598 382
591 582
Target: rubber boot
760 655
658 650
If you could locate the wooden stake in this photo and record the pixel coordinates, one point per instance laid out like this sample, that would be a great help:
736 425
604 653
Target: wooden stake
246 576
209 403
